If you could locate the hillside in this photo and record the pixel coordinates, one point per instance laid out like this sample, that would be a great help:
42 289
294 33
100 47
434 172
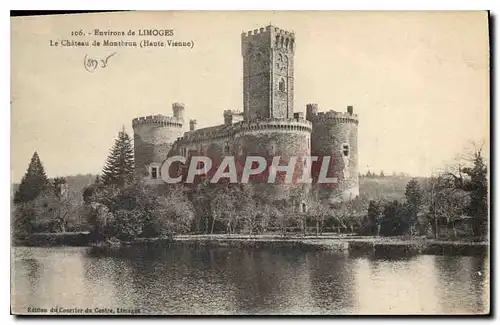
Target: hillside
385 188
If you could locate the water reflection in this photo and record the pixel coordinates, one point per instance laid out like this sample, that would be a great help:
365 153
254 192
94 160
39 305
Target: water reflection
466 279
176 280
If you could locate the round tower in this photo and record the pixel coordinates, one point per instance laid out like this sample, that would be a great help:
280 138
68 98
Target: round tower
268 139
153 139
178 111
311 111
335 135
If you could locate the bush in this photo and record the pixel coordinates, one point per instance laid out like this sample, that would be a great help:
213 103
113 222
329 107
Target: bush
137 211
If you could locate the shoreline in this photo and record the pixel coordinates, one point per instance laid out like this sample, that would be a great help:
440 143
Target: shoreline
326 242
352 244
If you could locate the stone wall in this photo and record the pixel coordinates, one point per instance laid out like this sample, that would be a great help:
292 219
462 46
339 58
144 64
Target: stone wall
335 134
153 138
285 140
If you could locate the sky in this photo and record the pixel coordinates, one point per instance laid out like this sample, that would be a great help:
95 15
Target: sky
419 81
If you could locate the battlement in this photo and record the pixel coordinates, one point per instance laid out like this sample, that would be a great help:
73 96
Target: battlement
298 125
160 120
271 35
338 117
313 115
232 112
232 116
229 131
266 30
178 111
256 32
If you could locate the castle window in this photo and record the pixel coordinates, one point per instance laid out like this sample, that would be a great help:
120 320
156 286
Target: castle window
282 86
272 148
345 150
154 172
184 151
303 207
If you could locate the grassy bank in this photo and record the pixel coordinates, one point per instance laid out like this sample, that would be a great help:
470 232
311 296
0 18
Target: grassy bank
55 239
355 245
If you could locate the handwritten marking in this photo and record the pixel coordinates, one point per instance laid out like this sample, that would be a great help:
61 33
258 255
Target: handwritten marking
91 64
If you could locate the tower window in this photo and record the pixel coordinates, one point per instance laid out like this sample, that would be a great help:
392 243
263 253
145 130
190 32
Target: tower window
303 207
154 172
281 85
272 148
345 150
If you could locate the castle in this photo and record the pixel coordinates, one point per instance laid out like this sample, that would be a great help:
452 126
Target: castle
267 126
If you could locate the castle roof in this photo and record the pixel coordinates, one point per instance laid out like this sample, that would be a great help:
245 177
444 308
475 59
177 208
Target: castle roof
211 131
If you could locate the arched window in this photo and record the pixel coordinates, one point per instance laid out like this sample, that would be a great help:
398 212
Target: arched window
282 85
303 207
286 43
345 149
258 57
272 148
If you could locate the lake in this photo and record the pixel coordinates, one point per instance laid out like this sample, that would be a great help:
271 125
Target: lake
181 280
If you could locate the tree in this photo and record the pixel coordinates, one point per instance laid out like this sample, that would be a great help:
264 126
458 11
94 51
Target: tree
282 214
478 189
101 221
372 218
222 207
23 223
119 167
319 212
413 195
394 221
469 183
246 206
33 182
382 173
58 184
200 194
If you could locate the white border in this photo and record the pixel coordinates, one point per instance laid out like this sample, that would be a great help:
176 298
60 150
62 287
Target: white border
492 5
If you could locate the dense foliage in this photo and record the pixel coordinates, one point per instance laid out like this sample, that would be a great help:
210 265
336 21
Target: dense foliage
33 182
115 205
119 167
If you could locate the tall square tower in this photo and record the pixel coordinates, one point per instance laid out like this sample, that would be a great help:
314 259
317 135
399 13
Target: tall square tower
268 74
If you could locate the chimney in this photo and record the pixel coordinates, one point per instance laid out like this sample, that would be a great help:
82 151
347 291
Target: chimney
350 109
